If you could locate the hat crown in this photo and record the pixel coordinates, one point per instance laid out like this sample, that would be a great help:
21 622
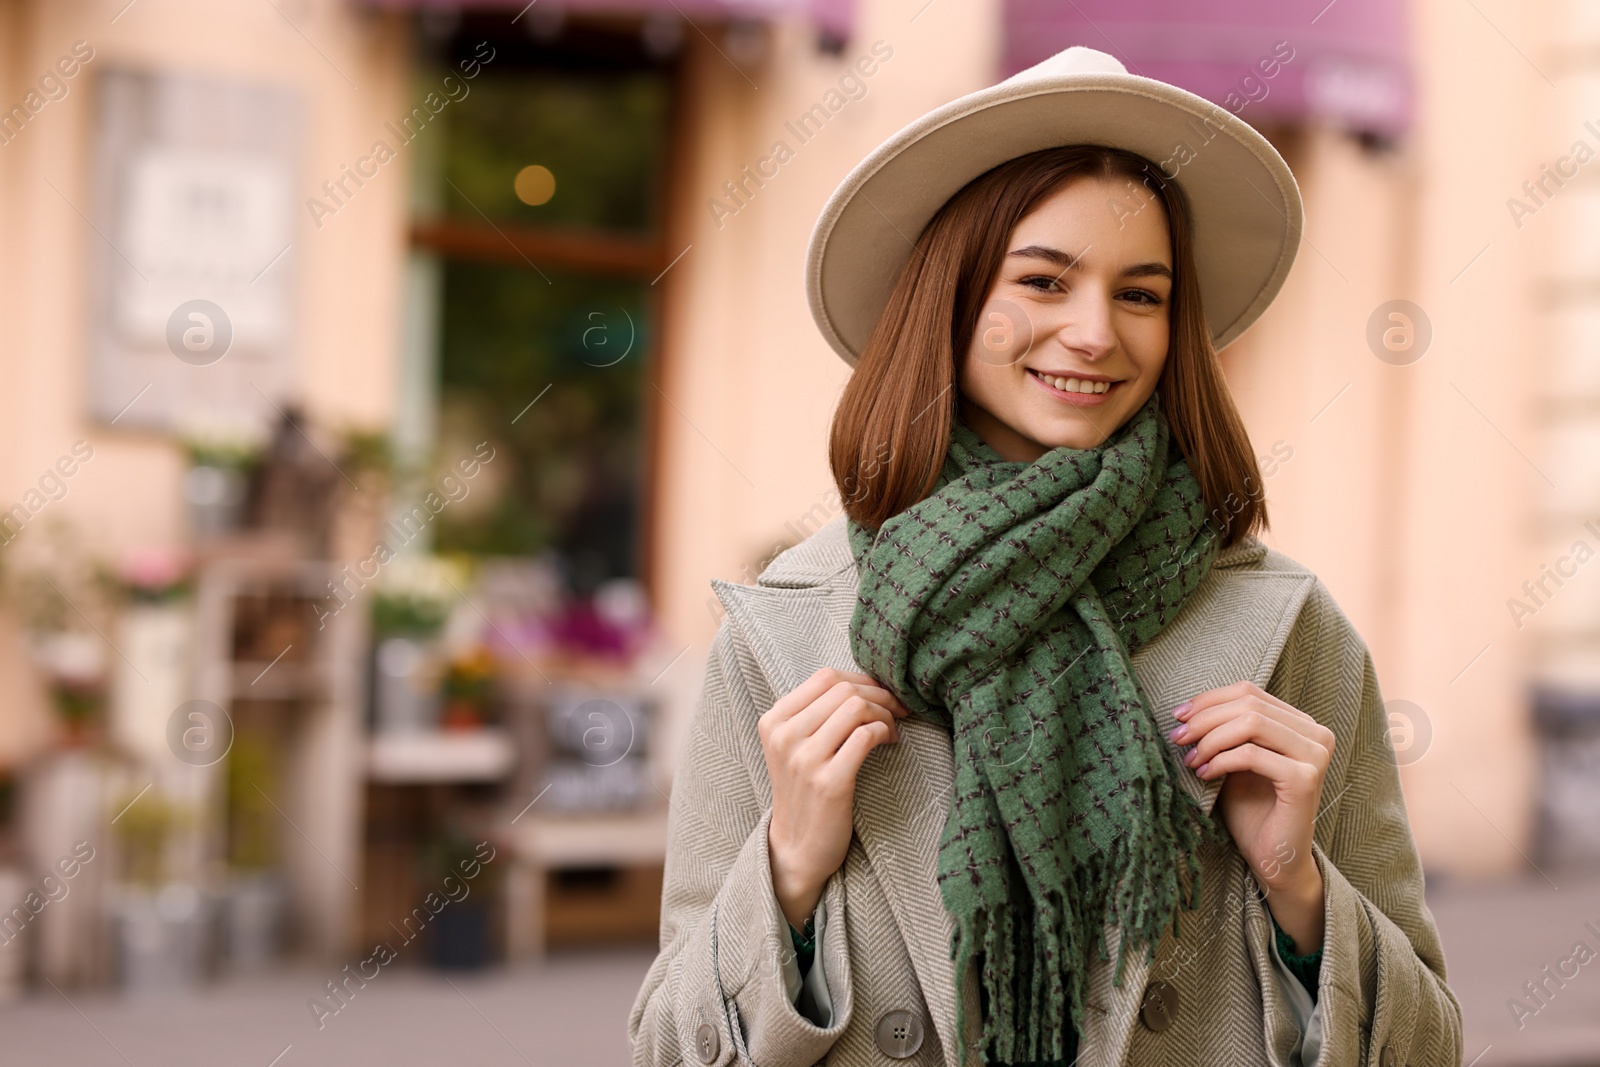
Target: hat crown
1077 59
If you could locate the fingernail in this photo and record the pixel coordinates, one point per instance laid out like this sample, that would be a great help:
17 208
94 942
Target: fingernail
1189 757
1182 710
1201 770
1178 732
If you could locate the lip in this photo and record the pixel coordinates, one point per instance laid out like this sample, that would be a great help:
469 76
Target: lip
1080 399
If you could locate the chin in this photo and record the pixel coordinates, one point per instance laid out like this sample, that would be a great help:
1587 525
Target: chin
1079 434
1088 439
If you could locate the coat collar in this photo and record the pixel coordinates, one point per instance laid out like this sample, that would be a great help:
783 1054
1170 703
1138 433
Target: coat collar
797 620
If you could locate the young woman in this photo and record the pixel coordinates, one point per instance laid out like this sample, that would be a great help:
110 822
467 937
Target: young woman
1038 755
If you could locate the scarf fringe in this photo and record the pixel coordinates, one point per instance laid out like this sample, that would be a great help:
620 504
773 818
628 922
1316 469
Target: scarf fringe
1031 997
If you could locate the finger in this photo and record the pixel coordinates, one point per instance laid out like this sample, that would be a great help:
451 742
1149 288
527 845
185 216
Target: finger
890 700
1197 724
810 720
807 692
881 696
853 713
1256 715
843 768
802 695
1289 776
1237 691
784 735
1262 729
872 683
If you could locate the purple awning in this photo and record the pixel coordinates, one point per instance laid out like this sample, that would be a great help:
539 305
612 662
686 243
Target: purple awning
1348 67
835 16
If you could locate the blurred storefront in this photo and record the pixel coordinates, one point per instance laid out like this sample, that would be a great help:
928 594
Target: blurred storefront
391 377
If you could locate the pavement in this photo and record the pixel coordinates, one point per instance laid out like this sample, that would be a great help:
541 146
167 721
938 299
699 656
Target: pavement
1497 937
573 1008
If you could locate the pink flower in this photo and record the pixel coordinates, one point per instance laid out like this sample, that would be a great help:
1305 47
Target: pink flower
153 570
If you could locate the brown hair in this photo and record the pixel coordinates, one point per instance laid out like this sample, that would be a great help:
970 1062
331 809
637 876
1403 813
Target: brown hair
893 424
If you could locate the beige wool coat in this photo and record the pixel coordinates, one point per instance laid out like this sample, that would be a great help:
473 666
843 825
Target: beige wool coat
716 993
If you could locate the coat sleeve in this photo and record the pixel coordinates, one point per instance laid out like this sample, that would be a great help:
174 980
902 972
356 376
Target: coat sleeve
1382 985
716 992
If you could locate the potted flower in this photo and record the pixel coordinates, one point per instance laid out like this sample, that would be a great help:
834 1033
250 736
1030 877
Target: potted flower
600 636
411 602
221 456
74 666
468 687
59 593
257 897
461 930
153 576
149 589
161 922
414 594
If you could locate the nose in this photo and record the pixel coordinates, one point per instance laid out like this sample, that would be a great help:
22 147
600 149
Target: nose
1089 330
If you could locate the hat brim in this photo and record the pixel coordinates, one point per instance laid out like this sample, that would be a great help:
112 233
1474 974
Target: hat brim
1245 202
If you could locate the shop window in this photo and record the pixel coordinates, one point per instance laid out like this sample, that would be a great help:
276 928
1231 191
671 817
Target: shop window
537 226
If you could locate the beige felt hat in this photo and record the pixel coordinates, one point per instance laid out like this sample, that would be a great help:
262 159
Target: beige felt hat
1245 202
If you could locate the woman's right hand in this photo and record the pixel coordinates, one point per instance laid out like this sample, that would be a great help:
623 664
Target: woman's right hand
815 739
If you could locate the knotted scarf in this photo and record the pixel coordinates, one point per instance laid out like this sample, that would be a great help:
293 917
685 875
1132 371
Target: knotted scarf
1004 607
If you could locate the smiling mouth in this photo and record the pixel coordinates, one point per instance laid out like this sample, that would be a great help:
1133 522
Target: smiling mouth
1078 386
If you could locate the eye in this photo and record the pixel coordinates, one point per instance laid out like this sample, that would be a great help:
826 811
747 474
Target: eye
1149 299
1040 282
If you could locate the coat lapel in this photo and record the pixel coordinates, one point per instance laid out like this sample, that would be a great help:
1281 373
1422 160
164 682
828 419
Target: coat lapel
902 792
1234 627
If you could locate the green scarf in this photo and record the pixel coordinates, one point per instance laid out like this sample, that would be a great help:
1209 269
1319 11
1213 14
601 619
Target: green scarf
1004 607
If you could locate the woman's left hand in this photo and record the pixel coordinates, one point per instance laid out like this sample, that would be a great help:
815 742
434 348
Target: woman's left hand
1274 758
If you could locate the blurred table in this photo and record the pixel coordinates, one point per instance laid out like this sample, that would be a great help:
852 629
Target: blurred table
540 844
485 754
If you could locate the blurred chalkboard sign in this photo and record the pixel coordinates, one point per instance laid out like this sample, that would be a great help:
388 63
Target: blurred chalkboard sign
193 320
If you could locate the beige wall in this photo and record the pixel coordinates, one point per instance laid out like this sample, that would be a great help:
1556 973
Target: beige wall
1406 502
1566 628
1469 492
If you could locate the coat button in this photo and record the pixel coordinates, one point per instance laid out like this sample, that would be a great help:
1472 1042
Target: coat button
707 1043
1386 1057
899 1033
1160 1006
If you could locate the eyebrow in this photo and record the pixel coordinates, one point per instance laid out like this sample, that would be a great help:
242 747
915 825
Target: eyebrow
1067 261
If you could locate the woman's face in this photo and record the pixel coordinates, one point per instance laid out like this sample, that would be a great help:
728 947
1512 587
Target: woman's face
1081 302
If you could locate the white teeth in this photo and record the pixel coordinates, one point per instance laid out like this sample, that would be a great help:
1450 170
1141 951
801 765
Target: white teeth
1076 385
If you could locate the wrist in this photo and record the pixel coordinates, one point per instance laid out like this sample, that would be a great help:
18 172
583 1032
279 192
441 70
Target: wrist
797 896
1298 909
